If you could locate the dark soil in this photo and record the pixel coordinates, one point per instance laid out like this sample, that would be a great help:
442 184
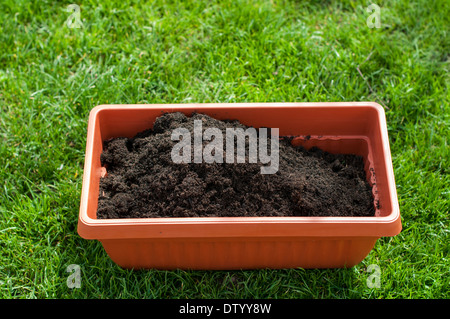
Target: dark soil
143 181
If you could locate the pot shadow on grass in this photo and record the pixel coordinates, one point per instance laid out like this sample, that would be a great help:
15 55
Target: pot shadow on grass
252 284
287 283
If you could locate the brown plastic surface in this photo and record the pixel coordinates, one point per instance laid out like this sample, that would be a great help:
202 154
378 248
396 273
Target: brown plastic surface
249 242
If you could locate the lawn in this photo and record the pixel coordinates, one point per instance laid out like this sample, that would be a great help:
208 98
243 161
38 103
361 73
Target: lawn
52 75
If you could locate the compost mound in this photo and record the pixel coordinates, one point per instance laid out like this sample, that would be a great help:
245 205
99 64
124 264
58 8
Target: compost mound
143 181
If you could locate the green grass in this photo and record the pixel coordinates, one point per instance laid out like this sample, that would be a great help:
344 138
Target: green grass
216 51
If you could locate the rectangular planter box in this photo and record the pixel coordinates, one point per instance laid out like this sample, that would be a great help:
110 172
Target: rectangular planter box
249 242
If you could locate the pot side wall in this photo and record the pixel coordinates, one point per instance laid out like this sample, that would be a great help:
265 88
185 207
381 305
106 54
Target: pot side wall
247 253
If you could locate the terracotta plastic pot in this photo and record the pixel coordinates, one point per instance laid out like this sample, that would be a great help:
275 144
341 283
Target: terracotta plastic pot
249 242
